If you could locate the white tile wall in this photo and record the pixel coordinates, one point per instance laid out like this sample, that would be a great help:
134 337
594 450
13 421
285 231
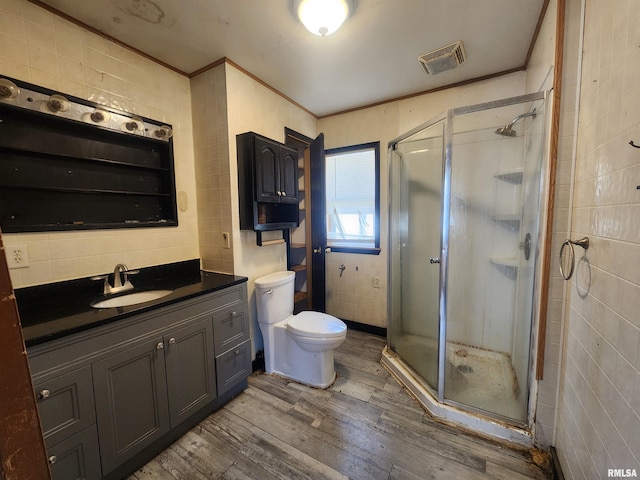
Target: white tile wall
210 138
599 411
44 49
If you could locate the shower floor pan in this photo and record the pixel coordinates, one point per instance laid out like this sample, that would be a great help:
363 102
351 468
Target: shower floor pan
479 378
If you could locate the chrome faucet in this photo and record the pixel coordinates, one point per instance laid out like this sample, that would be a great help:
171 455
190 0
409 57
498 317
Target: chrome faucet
119 272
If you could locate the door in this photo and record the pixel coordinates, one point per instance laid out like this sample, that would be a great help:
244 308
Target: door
190 362
288 175
20 425
318 223
266 156
131 401
415 249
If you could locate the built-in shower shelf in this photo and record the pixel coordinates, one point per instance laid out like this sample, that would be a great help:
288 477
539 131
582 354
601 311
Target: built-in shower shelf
504 262
507 218
512 176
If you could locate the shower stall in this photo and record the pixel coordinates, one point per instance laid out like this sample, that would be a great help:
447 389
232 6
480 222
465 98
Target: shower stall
465 215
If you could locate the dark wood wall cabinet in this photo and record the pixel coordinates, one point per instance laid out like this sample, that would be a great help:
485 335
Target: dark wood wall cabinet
112 397
64 173
267 183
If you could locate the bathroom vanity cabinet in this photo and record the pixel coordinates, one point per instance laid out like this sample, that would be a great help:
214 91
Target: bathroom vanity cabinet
112 397
268 183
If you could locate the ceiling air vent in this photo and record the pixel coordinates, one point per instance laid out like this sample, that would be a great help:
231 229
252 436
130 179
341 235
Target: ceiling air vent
443 59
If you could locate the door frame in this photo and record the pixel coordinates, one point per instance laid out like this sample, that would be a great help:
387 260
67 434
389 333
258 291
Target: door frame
316 290
23 455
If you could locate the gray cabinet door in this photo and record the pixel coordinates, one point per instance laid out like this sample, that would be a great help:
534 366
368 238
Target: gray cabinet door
131 400
233 366
65 404
77 457
190 363
230 328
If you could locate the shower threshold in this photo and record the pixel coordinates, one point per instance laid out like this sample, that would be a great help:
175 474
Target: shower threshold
451 414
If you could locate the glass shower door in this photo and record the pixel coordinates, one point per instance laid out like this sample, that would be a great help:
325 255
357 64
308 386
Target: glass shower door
415 241
493 239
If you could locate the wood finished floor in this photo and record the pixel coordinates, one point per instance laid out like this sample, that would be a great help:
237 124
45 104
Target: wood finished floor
364 427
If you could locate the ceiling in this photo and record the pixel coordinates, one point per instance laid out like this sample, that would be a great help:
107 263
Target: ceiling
370 59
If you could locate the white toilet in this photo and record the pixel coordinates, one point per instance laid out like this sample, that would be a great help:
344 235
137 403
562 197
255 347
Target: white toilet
299 347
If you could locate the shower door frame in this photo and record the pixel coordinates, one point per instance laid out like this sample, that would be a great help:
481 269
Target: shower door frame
447 117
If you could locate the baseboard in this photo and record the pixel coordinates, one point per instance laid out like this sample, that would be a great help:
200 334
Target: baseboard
555 465
363 327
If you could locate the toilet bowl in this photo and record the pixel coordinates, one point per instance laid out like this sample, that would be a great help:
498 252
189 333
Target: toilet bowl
299 347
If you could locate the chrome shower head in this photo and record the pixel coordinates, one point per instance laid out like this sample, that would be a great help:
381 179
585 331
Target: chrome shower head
508 131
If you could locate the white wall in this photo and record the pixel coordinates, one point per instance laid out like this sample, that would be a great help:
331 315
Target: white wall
253 107
353 295
598 420
46 50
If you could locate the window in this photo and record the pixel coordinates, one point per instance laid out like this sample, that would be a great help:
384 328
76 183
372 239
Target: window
353 198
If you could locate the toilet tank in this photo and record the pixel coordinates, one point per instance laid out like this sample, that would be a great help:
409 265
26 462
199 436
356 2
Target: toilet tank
274 296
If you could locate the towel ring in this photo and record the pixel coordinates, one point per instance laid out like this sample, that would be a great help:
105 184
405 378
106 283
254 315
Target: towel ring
583 242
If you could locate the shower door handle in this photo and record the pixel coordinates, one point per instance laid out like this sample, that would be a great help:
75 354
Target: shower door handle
434 260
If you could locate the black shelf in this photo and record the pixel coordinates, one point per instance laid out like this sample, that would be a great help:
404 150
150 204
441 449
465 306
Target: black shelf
63 174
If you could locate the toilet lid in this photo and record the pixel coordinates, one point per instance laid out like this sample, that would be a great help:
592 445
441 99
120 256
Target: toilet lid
316 324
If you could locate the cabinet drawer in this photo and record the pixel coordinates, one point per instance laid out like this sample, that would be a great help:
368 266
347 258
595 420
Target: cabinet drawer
230 328
77 457
65 404
233 366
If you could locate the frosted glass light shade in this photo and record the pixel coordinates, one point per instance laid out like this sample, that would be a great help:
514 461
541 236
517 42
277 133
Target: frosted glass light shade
323 17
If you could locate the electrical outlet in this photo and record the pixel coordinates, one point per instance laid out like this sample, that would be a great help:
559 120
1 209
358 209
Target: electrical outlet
17 256
226 239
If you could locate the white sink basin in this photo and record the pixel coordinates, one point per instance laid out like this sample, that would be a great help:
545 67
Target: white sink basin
132 299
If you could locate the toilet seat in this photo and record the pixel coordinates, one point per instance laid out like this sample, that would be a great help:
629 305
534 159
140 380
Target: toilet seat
316 325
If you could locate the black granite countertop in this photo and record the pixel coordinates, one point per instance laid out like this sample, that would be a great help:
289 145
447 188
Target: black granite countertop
58 309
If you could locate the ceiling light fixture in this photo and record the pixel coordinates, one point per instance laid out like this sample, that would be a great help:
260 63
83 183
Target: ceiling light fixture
323 17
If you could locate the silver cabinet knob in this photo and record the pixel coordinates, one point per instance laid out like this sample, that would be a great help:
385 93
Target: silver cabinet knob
172 340
279 193
284 194
160 346
53 459
234 313
434 260
237 352
44 394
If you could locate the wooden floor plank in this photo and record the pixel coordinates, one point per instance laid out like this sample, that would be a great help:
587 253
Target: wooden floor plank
349 459
365 426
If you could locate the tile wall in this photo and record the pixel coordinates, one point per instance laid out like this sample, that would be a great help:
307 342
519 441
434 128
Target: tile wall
46 50
211 144
598 421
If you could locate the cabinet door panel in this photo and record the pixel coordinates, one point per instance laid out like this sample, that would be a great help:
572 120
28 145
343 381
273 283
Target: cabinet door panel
267 185
230 328
65 404
131 401
288 175
233 366
77 457
190 361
